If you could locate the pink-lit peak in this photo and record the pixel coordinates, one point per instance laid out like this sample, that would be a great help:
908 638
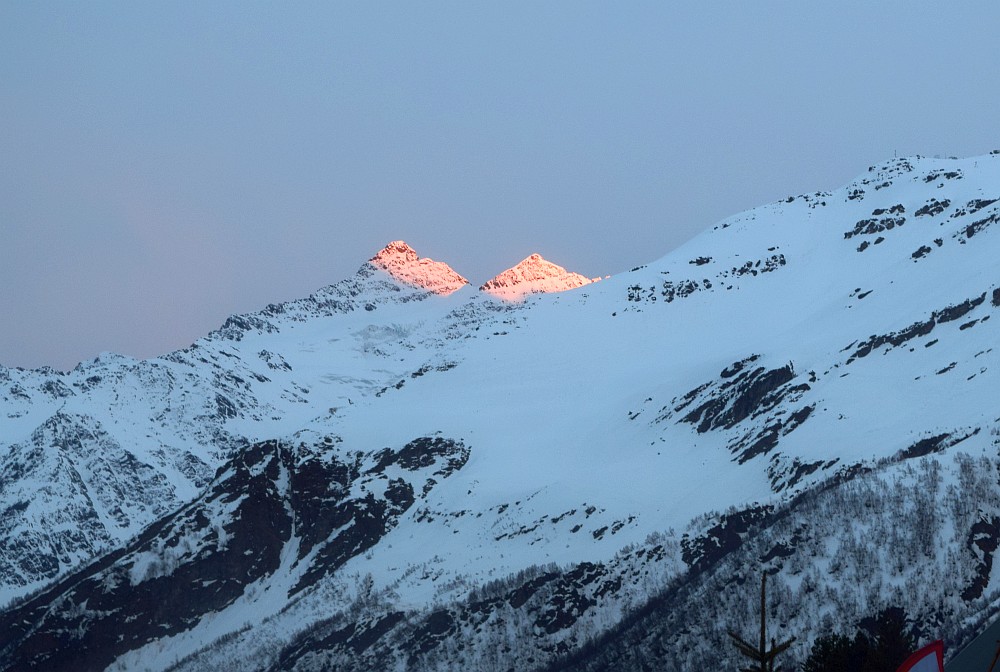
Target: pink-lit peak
402 262
533 275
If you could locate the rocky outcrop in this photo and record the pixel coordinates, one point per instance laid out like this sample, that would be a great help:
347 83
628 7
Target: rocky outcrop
917 329
750 398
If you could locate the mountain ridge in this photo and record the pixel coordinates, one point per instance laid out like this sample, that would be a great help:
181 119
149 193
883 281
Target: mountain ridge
669 431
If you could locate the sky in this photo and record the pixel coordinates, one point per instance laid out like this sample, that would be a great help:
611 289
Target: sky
165 165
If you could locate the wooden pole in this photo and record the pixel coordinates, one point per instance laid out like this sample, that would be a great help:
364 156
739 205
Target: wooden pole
761 655
763 616
995 657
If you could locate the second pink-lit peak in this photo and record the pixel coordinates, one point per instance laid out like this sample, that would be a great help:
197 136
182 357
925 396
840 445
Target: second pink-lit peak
534 275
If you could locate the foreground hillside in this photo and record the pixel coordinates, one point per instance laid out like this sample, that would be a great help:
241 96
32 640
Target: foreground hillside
401 472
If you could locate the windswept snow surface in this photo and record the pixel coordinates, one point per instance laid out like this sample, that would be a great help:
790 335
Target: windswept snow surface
790 346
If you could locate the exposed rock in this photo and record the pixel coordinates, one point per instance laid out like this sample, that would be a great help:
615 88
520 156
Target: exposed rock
984 538
932 208
917 329
867 227
721 539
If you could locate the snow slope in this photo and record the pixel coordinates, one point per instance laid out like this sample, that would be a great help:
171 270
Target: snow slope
634 446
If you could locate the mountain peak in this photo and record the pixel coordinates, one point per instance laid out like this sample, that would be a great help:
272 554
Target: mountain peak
403 263
533 275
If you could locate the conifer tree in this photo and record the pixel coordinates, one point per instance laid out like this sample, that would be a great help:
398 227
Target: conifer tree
881 644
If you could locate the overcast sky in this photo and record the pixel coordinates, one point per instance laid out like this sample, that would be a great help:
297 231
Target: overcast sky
164 165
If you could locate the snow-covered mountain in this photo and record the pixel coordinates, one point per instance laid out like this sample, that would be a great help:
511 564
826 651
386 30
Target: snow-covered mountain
533 275
402 263
402 472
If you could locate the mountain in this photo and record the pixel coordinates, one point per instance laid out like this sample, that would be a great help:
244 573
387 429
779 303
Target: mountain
533 275
400 472
402 263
